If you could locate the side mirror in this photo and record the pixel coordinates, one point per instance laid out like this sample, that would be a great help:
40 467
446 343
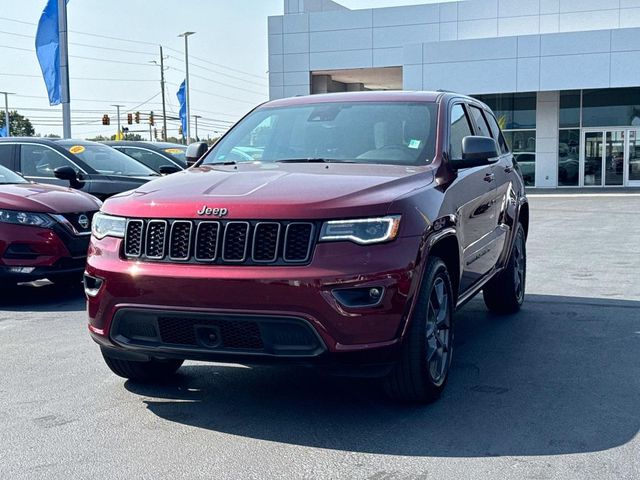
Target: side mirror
195 151
477 151
69 174
168 169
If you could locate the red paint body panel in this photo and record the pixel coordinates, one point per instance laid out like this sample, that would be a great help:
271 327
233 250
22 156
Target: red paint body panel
41 198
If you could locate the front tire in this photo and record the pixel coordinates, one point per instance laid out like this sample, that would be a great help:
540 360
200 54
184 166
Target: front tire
149 371
421 374
505 293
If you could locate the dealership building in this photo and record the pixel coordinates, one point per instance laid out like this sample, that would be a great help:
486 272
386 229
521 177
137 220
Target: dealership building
562 76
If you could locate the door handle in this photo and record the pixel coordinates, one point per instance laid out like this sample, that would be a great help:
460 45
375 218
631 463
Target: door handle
489 177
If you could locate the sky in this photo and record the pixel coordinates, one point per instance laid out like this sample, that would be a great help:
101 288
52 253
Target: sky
112 44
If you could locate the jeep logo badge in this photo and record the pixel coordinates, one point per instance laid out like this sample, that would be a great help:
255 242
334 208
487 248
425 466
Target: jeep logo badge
212 212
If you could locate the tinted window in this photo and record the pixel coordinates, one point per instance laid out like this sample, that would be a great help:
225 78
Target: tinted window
150 159
481 123
513 110
459 129
7 176
5 153
496 133
611 107
399 133
41 161
105 159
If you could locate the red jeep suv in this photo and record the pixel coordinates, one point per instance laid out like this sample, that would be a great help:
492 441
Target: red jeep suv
338 230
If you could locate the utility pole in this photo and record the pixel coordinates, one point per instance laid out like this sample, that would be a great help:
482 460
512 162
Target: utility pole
162 90
118 114
164 108
6 112
196 118
186 83
64 69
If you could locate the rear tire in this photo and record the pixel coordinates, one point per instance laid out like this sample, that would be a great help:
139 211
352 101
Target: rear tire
505 292
149 371
421 374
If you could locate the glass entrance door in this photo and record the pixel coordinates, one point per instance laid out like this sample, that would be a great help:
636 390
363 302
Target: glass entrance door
611 158
633 159
592 164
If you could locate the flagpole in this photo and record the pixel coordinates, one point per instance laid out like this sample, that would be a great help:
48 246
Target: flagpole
64 69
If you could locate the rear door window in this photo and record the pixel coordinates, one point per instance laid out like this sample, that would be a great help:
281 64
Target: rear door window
41 161
496 133
460 128
481 123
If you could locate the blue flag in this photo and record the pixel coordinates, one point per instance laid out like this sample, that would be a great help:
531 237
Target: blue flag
182 98
48 50
4 131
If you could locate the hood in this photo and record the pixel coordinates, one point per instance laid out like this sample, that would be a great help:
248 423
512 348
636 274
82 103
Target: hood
38 197
273 191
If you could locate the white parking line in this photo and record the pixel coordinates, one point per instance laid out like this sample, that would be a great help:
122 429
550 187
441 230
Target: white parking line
571 195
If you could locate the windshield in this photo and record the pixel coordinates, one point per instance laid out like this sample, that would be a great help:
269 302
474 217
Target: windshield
107 160
398 133
7 177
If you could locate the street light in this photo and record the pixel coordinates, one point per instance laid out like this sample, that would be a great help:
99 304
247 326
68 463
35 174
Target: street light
186 81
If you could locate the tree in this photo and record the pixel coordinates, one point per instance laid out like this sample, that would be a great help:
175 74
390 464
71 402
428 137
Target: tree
19 126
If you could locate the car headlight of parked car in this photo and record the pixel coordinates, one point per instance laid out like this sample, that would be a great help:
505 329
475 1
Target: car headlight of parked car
108 226
363 231
26 218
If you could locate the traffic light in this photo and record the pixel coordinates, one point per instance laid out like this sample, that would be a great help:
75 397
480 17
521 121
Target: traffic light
137 117
129 118
155 133
106 120
151 122
180 130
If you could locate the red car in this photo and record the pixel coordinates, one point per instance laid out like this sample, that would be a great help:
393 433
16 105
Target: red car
359 223
44 230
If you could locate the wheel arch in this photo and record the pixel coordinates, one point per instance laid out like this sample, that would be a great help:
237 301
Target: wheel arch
523 217
447 248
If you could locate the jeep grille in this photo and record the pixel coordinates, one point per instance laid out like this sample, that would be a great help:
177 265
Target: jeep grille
223 242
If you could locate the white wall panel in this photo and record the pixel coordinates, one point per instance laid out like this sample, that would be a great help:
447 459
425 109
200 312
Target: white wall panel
477 9
341 20
385 37
387 57
393 16
478 28
356 39
346 59
295 43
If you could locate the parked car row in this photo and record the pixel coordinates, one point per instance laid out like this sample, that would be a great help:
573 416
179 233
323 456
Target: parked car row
50 191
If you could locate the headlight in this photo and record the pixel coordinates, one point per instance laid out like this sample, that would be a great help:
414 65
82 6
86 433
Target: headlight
107 226
26 218
362 231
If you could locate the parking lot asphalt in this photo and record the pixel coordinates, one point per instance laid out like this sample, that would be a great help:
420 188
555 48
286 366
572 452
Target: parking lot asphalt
552 392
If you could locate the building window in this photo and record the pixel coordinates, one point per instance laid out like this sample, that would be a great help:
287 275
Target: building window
516 115
569 157
514 111
611 107
570 109
523 145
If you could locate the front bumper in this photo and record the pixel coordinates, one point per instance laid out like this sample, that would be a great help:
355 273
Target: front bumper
301 294
31 253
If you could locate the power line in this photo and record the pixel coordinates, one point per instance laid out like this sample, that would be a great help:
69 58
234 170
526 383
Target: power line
218 72
108 60
216 95
97 79
142 42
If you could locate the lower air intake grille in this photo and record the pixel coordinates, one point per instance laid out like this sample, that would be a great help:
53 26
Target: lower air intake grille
240 334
